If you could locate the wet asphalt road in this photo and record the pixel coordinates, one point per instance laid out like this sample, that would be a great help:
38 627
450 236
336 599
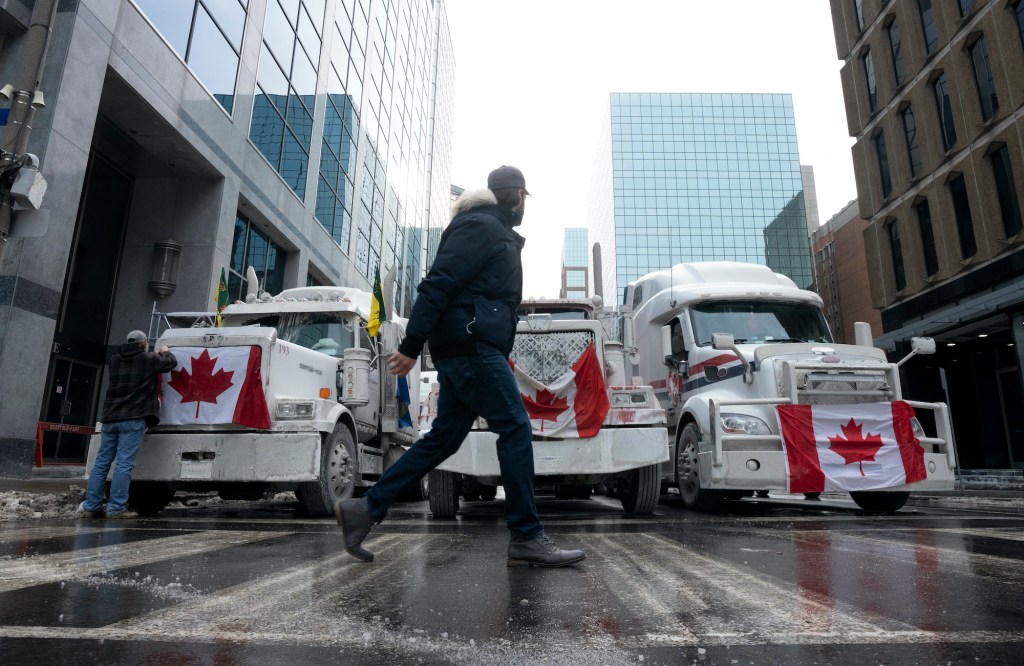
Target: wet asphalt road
771 582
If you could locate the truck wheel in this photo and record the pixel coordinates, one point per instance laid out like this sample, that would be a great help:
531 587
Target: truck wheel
873 501
639 489
488 493
688 474
338 474
444 494
583 492
565 491
148 498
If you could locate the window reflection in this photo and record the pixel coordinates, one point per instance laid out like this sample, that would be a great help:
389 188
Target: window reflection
265 256
207 35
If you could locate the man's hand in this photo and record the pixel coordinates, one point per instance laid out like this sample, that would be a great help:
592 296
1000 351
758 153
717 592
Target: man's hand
164 349
400 364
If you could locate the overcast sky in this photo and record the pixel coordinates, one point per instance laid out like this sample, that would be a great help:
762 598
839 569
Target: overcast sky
533 79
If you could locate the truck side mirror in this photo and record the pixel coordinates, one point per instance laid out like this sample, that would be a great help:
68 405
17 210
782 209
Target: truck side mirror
629 338
667 353
923 345
722 341
918 346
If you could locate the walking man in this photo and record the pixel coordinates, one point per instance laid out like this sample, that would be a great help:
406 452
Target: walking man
466 311
131 405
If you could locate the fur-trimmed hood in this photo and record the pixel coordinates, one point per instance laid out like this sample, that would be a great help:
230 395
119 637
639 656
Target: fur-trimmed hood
473 199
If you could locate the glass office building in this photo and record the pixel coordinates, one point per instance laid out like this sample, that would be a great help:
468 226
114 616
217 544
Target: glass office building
308 139
699 177
575 277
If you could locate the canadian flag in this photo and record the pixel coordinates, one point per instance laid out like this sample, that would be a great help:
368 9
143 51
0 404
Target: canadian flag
574 405
850 447
212 386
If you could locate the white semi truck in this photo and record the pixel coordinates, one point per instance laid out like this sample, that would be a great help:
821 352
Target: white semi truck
568 362
310 408
724 344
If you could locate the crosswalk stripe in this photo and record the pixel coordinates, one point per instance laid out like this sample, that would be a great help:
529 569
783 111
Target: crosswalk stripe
35 570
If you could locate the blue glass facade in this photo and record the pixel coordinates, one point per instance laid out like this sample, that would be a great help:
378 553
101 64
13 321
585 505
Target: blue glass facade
575 263
699 177
374 171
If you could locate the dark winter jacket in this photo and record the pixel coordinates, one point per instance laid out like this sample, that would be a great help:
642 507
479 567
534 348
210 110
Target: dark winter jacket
470 295
133 392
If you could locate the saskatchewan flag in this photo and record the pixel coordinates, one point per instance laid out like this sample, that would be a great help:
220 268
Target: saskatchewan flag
222 295
377 311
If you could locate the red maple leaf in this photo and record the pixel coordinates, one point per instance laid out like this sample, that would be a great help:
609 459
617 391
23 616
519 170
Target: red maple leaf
856 448
546 406
203 385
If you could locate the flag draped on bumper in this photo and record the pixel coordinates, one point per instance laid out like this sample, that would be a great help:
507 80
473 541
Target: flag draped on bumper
574 405
849 447
212 386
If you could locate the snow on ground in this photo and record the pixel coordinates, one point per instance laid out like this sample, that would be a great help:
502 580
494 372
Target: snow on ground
22 505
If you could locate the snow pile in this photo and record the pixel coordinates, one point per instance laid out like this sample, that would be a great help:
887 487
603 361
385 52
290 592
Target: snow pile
20 505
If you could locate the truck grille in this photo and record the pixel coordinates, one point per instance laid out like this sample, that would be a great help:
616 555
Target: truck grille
547 356
818 387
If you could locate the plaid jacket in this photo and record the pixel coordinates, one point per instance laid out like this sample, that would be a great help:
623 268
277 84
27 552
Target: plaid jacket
134 389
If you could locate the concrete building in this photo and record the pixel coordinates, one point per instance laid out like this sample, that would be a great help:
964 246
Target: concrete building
575 264
935 103
310 139
697 177
841 274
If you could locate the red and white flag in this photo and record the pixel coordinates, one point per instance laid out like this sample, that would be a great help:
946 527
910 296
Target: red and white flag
850 447
212 386
574 405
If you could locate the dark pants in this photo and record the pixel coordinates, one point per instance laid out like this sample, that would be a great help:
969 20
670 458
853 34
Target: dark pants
472 386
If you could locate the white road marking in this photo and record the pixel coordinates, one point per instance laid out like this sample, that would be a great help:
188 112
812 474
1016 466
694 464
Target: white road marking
38 569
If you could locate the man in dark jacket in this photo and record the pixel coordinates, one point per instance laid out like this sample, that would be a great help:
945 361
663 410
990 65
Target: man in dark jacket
131 405
466 311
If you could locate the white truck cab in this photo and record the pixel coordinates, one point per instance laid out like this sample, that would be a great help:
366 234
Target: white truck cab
723 344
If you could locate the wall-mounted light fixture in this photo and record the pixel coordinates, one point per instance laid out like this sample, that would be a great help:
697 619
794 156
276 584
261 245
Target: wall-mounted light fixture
164 278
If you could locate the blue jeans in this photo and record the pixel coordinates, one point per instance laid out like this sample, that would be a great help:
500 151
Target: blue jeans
120 440
472 386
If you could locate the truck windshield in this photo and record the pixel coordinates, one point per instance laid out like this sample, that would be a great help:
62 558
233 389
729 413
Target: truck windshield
759 322
326 332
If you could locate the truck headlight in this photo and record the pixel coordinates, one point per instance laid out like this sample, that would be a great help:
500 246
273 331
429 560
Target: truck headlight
742 424
294 410
915 425
636 398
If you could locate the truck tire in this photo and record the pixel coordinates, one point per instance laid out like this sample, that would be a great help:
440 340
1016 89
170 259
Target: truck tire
339 470
583 491
444 494
148 498
639 493
875 501
565 491
688 474
488 493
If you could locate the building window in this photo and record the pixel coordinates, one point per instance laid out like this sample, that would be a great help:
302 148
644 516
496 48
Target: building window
965 6
858 11
251 247
897 255
913 148
869 77
964 222
207 34
1009 205
928 27
282 115
924 225
1018 9
896 48
883 165
944 107
984 79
